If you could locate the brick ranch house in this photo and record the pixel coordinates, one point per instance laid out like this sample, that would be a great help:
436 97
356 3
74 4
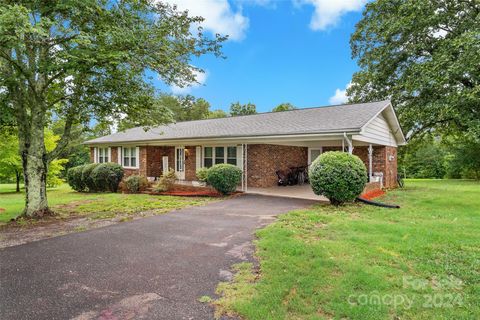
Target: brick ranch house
260 144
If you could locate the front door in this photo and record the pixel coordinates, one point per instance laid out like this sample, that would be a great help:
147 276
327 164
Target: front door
180 162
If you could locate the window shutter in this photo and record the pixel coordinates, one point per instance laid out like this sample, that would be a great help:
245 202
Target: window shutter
198 158
95 158
109 154
240 156
137 152
119 155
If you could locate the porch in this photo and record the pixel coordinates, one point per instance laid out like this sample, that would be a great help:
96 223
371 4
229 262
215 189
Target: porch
298 192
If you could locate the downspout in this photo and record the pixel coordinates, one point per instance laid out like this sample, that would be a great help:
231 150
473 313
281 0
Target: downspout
349 143
370 161
246 167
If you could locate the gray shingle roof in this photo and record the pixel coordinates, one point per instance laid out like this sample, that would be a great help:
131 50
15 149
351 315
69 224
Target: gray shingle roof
349 117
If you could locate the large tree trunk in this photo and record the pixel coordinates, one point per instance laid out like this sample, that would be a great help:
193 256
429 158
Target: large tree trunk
35 175
34 161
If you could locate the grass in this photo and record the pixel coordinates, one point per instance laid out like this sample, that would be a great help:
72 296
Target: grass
65 202
362 262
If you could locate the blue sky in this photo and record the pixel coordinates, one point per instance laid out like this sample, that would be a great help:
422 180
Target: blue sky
279 51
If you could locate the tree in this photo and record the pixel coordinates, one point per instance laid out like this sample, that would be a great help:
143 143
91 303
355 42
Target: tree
284 107
86 59
215 114
237 109
76 152
423 55
55 166
10 161
186 108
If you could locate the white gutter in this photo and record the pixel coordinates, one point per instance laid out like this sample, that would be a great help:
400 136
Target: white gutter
199 140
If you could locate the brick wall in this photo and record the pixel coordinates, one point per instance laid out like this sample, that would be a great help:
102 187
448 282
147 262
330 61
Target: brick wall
190 163
381 162
391 168
154 157
265 159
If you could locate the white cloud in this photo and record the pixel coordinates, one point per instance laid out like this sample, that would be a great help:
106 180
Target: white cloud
201 79
340 95
219 16
328 12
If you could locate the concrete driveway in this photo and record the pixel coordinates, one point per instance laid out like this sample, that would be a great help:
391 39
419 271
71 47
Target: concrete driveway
152 268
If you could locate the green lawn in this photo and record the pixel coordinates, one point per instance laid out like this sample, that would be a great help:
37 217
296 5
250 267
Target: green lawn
64 201
362 262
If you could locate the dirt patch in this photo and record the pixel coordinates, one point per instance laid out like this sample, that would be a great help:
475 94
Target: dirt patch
134 307
373 194
24 231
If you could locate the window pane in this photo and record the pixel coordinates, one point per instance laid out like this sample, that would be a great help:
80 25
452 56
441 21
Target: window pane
126 161
219 155
232 161
208 152
133 162
232 152
207 162
126 152
219 152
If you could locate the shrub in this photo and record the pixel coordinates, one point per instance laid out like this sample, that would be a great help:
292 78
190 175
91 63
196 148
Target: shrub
339 176
166 182
202 174
224 177
74 178
87 179
135 183
107 176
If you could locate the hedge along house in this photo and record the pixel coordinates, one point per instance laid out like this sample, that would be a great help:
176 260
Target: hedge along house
260 144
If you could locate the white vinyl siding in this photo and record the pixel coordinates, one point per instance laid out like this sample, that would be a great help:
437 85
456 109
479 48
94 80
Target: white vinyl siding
378 131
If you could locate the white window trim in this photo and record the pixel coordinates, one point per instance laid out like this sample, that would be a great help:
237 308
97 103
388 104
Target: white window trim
310 155
96 156
225 154
137 156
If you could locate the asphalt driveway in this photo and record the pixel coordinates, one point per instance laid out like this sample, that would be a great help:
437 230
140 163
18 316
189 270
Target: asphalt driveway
151 268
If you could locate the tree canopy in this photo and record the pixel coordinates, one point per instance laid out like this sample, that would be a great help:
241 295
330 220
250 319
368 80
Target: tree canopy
424 55
88 59
284 107
237 109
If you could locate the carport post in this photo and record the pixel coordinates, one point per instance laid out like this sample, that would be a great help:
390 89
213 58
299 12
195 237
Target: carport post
245 168
370 160
243 165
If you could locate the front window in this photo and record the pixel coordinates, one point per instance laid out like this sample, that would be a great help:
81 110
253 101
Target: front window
232 155
102 155
219 155
216 155
208 157
130 157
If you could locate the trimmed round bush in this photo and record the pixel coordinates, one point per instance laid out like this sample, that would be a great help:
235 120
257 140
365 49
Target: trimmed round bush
107 176
74 178
87 179
339 176
135 183
224 177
